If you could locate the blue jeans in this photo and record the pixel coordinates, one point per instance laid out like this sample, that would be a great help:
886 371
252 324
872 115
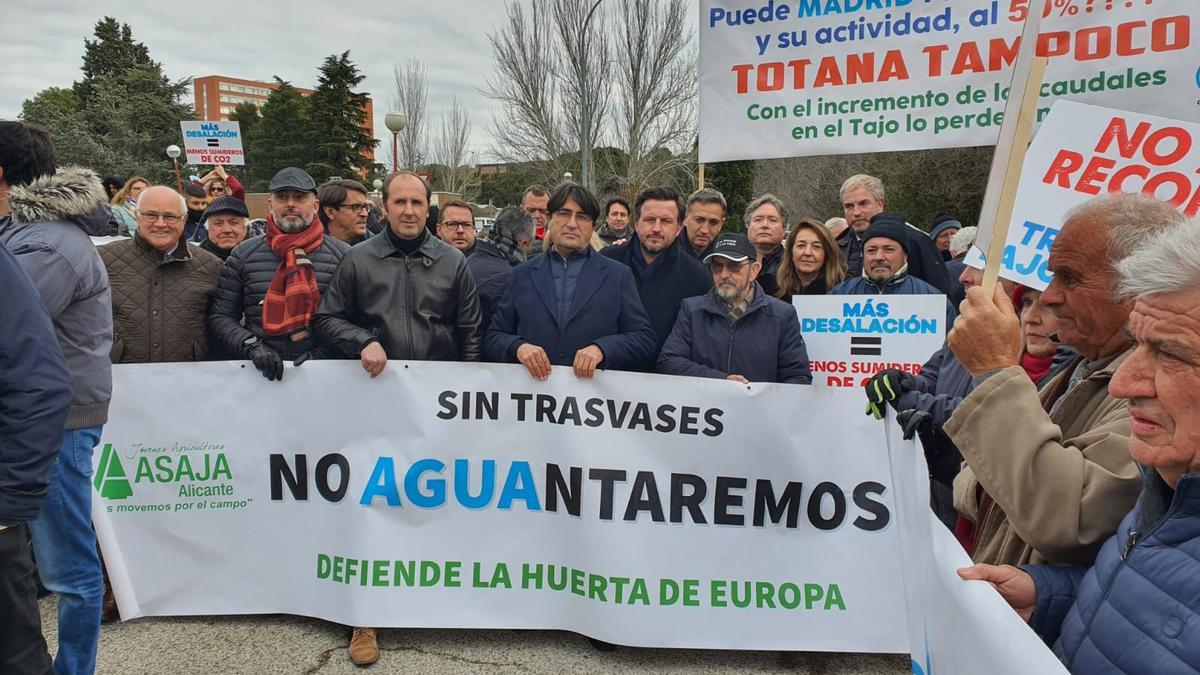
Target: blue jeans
65 545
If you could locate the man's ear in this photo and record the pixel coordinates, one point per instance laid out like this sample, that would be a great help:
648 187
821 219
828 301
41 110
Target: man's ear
755 268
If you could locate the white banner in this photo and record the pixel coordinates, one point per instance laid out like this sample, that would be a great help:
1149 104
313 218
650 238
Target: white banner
783 78
673 517
849 338
1083 151
213 143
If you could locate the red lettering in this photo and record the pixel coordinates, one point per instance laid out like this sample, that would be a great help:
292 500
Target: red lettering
1085 50
1091 182
828 73
1180 182
770 76
1170 34
1125 39
968 59
1117 184
1183 145
935 52
1065 163
860 68
1118 130
743 77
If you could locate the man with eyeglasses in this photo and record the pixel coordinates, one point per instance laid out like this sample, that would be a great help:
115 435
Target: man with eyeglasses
736 331
344 207
271 285
571 306
456 226
663 273
161 285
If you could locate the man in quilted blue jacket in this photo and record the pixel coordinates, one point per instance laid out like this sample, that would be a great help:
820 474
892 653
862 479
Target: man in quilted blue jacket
1137 610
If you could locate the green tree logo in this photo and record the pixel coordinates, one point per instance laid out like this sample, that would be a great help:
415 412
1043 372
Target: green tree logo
111 480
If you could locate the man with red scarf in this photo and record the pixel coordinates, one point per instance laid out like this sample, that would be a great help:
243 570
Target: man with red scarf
272 285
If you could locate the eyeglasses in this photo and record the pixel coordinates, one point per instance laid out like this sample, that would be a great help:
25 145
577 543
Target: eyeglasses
216 189
459 225
168 218
357 208
717 266
568 214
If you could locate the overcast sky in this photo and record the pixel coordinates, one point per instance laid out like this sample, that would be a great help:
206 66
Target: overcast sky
41 45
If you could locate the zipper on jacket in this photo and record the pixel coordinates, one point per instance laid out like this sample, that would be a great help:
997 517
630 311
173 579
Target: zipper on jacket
729 353
408 284
1129 544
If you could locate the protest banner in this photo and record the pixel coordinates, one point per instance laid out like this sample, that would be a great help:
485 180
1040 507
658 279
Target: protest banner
849 338
820 77
1083 151
213 143
638 509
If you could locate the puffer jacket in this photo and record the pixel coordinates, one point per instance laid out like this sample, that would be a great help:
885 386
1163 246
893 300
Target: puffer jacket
236 312
422 306
903 283
48 231
1137 610
159 308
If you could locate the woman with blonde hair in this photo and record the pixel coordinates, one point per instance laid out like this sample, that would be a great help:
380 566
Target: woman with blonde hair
124 204
812 262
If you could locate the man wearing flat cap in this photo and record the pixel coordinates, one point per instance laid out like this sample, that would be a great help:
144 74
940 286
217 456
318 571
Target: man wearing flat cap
885 264
736 331
272 285
226 220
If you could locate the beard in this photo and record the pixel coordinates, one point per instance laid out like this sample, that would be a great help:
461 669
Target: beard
291 223
729 292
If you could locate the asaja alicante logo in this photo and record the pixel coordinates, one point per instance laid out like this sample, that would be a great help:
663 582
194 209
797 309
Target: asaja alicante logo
111 480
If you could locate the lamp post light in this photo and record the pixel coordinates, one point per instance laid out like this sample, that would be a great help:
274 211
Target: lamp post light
173 152
395 122
568 176
585 141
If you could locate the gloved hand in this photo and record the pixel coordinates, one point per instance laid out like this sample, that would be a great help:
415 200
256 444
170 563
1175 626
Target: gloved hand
885 387
267 360
914 421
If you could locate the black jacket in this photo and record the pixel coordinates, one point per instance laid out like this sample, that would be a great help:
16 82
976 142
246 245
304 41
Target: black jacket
492 272
768 275
675 276
422 306
244 282
764 345
35 395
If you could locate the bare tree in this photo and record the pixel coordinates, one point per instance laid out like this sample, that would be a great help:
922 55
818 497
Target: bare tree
457 171
654 118
412 89
540 58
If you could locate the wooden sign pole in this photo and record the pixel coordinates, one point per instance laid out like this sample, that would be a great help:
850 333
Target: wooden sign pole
700 177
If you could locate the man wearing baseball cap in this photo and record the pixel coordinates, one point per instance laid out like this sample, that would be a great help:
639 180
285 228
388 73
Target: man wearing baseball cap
271 286
226 220
736 331
885 264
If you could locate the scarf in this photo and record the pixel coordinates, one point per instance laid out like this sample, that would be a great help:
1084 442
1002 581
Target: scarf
1036 367
509 248
293 296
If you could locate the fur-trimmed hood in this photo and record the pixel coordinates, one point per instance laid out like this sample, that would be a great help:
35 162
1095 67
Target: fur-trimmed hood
72 194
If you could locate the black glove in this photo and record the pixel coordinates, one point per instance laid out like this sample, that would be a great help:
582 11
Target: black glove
914 421
885 387
267 360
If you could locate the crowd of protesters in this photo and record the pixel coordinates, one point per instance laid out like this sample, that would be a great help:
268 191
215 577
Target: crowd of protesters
1059 426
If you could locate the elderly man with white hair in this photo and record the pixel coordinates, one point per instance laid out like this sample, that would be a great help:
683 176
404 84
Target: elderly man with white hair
161 285
1048 475
1137 609
227 221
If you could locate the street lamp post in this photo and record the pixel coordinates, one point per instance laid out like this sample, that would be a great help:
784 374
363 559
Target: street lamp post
173 152
568 176
395 122
585 141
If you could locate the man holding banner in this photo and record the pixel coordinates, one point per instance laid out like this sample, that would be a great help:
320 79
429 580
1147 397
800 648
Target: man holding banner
1136 609
1048 476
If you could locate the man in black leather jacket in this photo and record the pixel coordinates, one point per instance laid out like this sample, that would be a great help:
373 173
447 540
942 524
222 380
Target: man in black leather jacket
404 294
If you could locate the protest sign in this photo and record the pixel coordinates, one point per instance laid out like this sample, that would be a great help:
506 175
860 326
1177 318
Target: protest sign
638 509
818 77
955 627
851 337
1083 151
213 143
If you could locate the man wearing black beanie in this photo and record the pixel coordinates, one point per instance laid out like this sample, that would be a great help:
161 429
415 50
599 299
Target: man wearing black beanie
885 264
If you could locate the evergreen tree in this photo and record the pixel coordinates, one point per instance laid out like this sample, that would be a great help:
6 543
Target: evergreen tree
247 117
735 180
277 139
337 114
113 52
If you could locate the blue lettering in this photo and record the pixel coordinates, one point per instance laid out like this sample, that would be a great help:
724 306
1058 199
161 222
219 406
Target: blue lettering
487 481
382 483
519 485
436 496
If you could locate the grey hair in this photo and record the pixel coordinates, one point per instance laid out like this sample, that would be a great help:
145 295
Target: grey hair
182 202
1167 263
767 198
515 223
869 183
962 240
1132 219
707 196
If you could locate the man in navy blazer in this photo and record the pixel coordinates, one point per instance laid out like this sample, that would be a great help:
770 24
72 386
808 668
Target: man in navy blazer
553 312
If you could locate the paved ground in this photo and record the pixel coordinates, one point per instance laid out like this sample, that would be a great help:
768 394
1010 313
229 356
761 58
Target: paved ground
278 644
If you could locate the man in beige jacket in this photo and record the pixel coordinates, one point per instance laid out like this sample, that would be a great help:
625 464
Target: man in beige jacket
1048 476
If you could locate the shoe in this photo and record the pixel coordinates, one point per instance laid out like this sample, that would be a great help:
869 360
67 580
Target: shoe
364 647
108 606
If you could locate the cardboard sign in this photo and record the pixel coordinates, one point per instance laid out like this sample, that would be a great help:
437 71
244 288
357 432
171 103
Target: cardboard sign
213 143
1081 152
851 337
